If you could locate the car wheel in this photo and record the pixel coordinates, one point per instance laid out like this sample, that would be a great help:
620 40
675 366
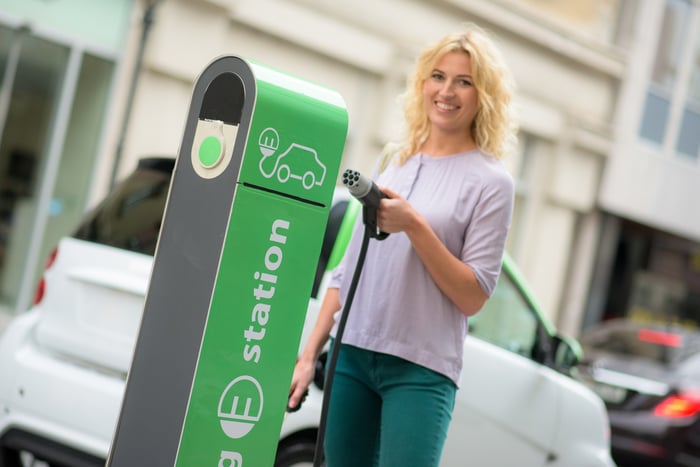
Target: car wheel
298 452
308 180
283 173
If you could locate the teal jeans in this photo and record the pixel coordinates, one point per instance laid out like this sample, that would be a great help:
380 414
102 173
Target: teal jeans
385 411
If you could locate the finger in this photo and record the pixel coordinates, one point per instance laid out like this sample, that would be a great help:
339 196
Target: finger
294 403
389 192
296 393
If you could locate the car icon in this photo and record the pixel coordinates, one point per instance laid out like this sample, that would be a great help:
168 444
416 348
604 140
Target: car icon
294 163
297 161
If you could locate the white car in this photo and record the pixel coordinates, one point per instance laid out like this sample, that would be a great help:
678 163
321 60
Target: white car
64 362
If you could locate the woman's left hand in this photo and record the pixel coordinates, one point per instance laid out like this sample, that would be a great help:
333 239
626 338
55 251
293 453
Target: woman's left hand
395 214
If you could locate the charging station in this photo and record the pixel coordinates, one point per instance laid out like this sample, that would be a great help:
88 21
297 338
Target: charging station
233 270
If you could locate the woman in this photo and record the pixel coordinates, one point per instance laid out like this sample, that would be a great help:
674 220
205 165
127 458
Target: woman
448 213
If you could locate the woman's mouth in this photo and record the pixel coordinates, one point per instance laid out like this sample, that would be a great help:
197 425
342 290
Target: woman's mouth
445 106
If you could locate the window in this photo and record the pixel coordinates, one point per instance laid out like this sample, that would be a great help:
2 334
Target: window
689 137
694 87
672 37
130 216
656 110
674 30
671 115
335 219
661 345
624 30
688 143
507 320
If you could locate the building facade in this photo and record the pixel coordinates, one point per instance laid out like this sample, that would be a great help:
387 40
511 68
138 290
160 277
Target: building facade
580 69
648 265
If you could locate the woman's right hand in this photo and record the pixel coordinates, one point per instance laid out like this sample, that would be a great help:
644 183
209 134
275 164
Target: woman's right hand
301 380
305 368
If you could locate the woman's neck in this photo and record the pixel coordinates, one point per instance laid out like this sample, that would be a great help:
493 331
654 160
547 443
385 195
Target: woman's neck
440 147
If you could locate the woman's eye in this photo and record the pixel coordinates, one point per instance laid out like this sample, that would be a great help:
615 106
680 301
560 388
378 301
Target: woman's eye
465 82
437 76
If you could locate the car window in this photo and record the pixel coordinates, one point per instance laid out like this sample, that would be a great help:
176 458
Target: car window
626 343
663 346
130 216
507 320
335 219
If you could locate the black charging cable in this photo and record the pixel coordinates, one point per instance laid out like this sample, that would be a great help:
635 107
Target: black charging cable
369 195
332 360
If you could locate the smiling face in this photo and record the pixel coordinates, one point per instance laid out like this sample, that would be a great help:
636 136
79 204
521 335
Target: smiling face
450 97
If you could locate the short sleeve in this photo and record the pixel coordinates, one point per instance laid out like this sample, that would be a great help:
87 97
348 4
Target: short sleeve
486 233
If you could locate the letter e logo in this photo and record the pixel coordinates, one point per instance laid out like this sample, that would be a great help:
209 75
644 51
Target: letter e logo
240 406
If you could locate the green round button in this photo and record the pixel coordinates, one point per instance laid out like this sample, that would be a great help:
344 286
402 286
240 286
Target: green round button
210 151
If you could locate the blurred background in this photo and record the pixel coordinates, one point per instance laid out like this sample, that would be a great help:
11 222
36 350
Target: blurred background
607 220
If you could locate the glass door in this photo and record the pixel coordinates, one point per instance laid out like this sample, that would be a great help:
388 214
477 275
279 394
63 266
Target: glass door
82 136
30 93
53 100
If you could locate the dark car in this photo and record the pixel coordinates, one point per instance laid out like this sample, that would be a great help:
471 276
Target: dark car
649 377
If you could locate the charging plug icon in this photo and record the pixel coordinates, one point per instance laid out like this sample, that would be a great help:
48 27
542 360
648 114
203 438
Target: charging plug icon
269 142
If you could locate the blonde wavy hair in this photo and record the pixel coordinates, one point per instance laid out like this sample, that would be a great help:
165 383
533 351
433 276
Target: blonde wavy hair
494 129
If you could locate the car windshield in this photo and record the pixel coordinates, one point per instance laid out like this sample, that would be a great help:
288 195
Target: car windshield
664 346
130 216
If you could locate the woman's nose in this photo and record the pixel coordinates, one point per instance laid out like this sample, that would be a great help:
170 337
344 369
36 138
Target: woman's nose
447 88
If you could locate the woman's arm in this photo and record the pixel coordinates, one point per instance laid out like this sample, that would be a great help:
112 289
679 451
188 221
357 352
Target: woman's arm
454 278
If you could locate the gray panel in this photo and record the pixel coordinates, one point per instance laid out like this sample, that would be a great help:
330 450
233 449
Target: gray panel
182 282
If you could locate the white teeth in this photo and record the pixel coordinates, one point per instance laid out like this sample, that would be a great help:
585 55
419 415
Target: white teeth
444 106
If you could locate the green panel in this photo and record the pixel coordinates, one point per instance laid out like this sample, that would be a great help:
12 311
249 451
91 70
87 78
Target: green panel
294 143
252 332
